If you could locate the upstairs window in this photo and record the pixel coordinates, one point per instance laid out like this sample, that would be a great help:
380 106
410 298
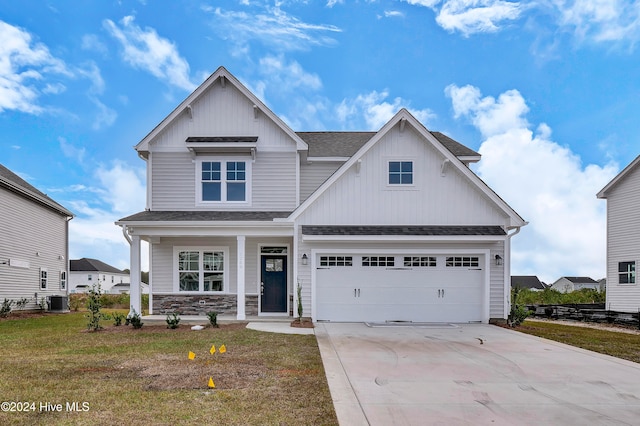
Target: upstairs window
223 181
627 272
400 172
43 279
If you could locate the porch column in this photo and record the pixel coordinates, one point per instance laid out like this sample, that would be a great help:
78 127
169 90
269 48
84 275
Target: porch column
240 287
134 291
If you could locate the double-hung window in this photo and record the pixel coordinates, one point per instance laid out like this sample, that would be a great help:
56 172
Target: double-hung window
627 272
224 180
43 279
201 270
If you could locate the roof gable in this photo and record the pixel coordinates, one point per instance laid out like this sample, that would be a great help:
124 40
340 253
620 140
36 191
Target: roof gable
604 192
402 119
224 77
92 265
15 183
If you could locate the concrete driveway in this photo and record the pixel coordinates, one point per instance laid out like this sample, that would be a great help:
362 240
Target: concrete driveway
474 374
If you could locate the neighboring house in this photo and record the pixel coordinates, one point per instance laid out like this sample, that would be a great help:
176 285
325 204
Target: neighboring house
530 282
569 284
86 273
34 239
126 288
373 226
623 239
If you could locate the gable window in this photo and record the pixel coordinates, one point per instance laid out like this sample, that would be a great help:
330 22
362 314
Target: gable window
201 270
223 181
627 272
400 172
63 280
43 279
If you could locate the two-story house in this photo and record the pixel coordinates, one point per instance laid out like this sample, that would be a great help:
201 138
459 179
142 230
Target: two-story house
373 226
34 244
623 240
87 273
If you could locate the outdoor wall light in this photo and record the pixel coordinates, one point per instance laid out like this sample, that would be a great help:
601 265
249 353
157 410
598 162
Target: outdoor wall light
305 259
498 260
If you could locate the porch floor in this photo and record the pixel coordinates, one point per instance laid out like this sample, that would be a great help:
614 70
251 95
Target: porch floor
222 319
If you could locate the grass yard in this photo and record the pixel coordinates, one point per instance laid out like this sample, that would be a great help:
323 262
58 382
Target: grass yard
620 345
124 376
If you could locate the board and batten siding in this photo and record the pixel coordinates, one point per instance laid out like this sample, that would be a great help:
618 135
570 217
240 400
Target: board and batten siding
623 241
273 182
312 175
364 197
34 237
222 112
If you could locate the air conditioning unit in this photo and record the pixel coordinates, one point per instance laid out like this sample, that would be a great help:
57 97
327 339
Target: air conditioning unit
58 304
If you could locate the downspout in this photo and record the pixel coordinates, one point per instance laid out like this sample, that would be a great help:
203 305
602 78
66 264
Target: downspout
507 269
126 234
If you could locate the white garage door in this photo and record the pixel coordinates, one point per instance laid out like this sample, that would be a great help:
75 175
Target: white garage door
392 287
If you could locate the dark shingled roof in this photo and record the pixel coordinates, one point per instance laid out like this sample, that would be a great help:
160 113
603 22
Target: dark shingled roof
203 216
92 265
527 281
576 280
15 183
403 230
345 144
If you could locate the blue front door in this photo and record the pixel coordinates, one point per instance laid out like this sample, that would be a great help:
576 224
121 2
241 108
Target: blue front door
273 286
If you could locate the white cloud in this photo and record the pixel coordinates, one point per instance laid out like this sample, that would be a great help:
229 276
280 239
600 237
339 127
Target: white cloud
600 20
70 151
145 49
393 14
119 191
472 16
92 43
272 27
376 110
289 77
24 65
543 181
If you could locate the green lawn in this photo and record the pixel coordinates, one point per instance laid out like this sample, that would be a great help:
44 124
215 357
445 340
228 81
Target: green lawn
124 376
620 345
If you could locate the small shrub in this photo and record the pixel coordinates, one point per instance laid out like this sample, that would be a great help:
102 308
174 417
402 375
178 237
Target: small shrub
213 318
518 312
118 318
93 306
5 309
173 321
299 290
135 320
43 303
20 304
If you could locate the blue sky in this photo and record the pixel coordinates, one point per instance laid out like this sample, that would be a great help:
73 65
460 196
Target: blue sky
547 91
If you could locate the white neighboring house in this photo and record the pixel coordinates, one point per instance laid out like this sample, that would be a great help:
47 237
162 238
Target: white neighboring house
34 241
373 226
569 284
85 273
623 238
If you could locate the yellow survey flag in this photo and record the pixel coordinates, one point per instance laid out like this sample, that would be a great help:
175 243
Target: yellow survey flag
192 355
212 350
211 384
222 349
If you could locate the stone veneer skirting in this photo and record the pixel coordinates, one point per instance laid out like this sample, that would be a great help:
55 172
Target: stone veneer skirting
223 304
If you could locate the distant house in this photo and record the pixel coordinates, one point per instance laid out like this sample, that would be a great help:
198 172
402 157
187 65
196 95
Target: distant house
623 239
530 282
86 273
569 284
34 238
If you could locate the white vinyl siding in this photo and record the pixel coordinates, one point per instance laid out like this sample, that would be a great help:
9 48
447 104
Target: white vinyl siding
314 174
623 242
364 197
33 237
272 186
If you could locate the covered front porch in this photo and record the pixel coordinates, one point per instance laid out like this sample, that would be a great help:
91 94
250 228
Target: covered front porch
239 269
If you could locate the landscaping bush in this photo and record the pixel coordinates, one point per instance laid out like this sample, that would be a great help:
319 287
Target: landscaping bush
550 296
5 309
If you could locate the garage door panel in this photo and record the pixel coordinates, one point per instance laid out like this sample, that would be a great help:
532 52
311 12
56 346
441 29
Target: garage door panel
437 293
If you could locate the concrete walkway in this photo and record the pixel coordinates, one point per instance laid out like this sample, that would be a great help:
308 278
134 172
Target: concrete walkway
471 375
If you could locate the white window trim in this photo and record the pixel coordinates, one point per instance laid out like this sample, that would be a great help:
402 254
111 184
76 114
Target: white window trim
63 280
618 273
223 180
46 279
225 272
400 186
